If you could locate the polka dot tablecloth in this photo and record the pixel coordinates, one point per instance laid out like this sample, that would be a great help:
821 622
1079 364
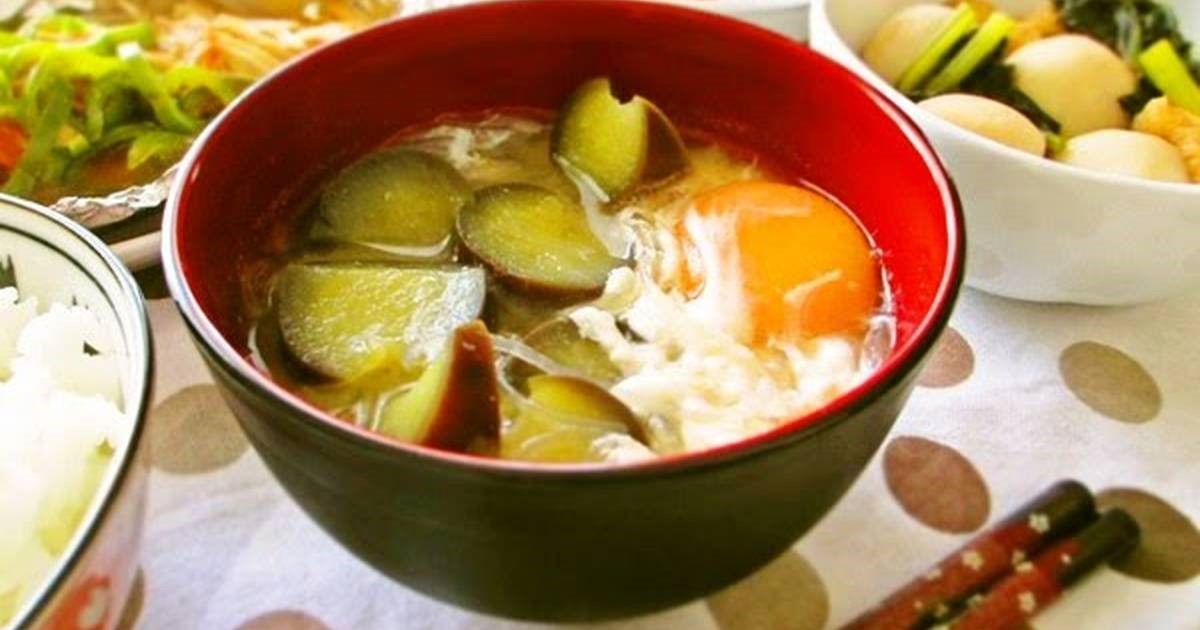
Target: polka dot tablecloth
1016 397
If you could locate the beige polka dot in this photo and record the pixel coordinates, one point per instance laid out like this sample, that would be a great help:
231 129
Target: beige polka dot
284 620
788 593
133 606
951 363
1170 547
192 431
177 364
936 484
1110 382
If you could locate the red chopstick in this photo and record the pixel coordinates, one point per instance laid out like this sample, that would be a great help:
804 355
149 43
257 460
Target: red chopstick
1035 584
934 597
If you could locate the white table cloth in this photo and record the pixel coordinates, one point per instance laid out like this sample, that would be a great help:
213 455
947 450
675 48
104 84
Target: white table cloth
1017 396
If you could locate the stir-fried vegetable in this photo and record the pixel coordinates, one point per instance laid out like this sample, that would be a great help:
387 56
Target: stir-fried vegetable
252 37
73 92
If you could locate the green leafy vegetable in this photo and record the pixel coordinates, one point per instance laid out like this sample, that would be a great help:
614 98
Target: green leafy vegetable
123 134
1055 143
39 161
78 89
996 80
1129 27
1170 74
927 62
183 80
164 146
1145 92
73 140
149 83
982 45
57 27
10 39
108 42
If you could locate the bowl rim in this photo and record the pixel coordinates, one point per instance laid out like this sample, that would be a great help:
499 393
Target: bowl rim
903 361
819 20
745 8
50 590
735 7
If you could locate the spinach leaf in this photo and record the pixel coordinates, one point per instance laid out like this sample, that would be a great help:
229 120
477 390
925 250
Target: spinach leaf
1126 26
995 79
1146 91
1129 27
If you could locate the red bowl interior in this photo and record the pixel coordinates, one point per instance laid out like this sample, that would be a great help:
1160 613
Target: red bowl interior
811 120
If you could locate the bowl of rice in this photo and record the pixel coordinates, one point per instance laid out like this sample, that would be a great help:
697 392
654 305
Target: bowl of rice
75 366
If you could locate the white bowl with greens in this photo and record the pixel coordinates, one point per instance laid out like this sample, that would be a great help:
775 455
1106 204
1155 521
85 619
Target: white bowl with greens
1079 177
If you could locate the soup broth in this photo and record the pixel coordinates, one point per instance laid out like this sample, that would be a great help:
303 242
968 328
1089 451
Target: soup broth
489 284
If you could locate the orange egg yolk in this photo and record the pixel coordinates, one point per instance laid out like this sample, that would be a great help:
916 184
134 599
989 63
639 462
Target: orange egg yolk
796 264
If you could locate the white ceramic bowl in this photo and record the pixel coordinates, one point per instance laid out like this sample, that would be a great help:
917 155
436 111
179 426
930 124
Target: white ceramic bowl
788 17
58 261
1037 229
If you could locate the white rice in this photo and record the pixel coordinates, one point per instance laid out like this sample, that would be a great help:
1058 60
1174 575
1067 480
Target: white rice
60 421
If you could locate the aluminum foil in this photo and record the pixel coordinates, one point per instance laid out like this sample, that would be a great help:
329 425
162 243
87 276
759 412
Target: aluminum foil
94 212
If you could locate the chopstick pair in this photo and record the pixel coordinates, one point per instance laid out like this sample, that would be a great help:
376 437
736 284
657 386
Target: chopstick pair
1012 571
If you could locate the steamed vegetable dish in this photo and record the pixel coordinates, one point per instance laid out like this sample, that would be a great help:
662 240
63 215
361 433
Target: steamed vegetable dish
590 286
1104 85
